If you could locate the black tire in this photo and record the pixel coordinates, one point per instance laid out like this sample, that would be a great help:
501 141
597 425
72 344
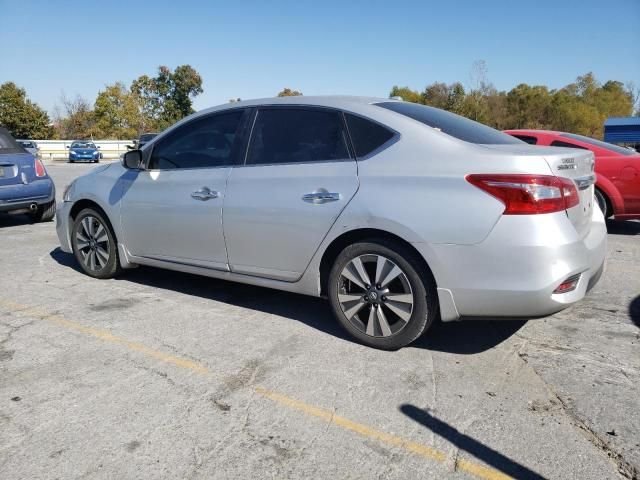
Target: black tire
111 267
71 161
44 213
424 309
603 202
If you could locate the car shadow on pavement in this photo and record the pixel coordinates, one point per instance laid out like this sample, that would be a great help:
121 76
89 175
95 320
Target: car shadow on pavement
486 454
623 227
7 220
634 311
457 337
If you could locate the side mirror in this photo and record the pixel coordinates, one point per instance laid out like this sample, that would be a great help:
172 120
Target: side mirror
98 147
66 146
132 160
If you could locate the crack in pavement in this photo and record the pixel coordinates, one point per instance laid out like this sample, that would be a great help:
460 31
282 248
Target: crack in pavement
624 468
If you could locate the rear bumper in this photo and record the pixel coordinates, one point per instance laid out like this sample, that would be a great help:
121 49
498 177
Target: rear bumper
20 197
513 273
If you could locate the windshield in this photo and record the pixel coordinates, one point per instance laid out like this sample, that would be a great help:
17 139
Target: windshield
597 143
459 127
8 143
82 145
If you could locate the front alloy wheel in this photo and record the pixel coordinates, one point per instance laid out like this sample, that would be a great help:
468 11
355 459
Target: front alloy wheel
94 245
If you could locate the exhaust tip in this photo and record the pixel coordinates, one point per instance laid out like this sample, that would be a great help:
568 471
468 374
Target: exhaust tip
33 207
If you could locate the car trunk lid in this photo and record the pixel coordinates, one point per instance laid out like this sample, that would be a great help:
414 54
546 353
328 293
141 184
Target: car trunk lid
574 164
16 168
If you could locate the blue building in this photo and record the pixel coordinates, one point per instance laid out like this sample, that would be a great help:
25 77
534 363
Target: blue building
623 131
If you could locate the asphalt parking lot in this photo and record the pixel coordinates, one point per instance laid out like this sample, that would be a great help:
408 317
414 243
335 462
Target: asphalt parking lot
167 375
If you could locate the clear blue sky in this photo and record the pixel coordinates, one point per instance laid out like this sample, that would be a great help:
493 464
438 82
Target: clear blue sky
252 49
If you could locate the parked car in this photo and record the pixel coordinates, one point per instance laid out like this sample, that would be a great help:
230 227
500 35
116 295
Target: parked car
84 150
145 138
618 169
30 146
398 213
25 186
142 141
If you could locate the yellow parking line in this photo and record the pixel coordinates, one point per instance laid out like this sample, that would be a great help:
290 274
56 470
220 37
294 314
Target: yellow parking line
103 335
475 469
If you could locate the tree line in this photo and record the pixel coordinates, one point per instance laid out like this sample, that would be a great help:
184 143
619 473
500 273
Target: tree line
152 103
580 107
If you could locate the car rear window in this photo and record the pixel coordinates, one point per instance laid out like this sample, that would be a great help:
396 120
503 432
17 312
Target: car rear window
8 144
459 127
560 143
526 138
597 143
366 135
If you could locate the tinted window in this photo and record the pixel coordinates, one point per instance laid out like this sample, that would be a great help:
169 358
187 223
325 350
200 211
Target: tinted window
558 143
28 144
598 143
294 135
205 142
366 135
8 143
451 124
526 138
147 136
82 145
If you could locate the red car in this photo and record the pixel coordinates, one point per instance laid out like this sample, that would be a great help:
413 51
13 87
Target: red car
617 169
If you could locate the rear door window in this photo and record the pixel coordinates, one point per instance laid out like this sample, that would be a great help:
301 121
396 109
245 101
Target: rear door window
297 135
367 136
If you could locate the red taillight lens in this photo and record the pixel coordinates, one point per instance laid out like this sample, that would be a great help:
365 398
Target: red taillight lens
40 171
528 194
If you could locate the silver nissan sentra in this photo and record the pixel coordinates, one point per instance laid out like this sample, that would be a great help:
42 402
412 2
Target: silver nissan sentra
398 213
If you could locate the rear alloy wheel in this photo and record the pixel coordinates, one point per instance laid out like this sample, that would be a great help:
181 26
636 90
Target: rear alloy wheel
94 245
602 202
378 295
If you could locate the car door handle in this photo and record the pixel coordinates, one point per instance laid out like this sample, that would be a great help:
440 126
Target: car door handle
321 196
205 193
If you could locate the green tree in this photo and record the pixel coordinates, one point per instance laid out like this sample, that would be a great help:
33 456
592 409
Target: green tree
528 107
117 113
287 92
22 117
407 94
167 97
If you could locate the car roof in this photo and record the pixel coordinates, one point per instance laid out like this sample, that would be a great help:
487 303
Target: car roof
334 101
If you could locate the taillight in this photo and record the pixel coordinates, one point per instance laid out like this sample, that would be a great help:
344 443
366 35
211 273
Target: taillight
528 194
40 171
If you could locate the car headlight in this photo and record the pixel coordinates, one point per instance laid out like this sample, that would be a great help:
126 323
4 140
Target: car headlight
68 190
72 152
95 154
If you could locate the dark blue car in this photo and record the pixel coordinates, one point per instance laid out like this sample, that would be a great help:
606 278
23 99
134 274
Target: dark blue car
25 186
84 151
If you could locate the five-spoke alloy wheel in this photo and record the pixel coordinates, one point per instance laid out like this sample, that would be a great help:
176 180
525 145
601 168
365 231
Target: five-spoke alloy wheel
94 244
381 294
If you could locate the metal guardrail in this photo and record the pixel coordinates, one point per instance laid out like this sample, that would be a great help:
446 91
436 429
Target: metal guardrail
56 150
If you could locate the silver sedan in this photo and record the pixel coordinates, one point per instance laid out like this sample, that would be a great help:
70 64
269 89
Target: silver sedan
399 213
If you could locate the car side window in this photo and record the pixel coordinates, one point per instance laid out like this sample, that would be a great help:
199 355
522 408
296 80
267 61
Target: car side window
366 135
531 140
297 135
560 143
202 143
